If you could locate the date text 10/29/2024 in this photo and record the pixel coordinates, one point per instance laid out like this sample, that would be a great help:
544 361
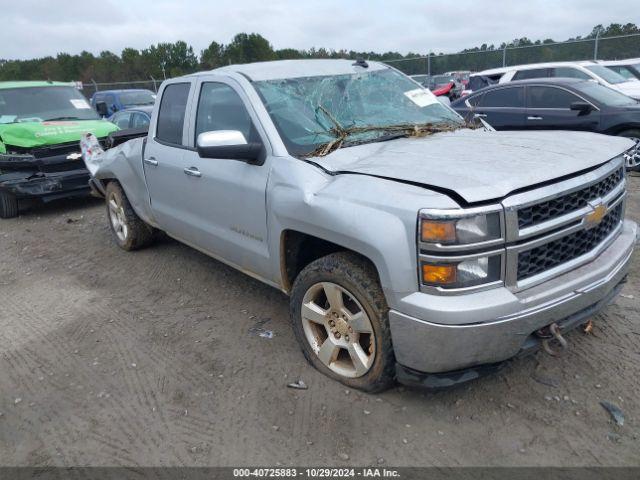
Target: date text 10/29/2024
319 472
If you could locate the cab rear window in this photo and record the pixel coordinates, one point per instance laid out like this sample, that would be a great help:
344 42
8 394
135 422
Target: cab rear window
172 110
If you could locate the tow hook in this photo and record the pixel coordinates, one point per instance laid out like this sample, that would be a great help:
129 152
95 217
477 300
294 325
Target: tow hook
550 333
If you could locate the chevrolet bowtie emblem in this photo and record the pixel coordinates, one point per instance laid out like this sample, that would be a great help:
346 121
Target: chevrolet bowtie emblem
594 218
74 156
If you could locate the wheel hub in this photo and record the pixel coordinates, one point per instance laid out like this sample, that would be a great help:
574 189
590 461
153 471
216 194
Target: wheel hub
342 327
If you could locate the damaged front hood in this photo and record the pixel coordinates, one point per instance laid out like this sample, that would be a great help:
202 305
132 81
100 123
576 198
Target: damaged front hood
478 165
40 134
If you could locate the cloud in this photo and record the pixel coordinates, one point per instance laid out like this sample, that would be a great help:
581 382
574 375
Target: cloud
34 29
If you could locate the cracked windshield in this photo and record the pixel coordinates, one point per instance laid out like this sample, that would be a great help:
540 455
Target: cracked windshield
317 115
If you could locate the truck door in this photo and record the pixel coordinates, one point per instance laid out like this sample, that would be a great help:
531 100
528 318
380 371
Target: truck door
548 108
227 197
163 162
215 205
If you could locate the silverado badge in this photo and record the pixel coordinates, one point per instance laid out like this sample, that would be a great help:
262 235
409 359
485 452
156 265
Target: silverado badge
74 156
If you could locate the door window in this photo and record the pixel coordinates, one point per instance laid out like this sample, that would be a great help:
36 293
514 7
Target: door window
121 120
172 110
626 72
532 73
512 97
550 97
569 72
139 120
221 108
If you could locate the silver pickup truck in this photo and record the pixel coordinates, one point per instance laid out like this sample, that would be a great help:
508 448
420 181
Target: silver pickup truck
413 247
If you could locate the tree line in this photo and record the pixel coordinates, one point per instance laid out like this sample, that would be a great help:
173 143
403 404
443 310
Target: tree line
166 60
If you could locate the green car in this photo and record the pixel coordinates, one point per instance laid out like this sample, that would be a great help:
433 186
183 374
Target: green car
40 128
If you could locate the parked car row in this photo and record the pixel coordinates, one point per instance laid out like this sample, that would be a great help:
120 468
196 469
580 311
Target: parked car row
448 85
599 72
135 117
108 102
586 96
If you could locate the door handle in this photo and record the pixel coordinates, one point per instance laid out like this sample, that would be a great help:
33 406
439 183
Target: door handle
480 115
192 171
151 161
534 118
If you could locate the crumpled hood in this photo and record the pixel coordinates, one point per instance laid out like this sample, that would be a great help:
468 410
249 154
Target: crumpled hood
38 134
476 164
630 88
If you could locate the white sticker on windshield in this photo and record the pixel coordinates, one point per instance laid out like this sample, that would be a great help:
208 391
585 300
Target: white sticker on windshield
79 103
421 97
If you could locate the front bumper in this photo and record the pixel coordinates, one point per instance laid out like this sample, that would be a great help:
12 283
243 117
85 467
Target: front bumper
437 334
46 186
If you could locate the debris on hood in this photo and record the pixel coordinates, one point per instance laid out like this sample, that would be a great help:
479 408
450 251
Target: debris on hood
389 131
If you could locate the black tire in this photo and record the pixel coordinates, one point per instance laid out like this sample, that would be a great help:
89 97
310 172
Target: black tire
8 205
138 233
359 278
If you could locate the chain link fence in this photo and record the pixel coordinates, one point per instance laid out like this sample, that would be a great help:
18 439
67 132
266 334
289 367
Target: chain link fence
89 88
599 48
609 48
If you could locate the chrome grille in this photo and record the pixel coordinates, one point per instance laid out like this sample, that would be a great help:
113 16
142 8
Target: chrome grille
544 211
632 156
549 255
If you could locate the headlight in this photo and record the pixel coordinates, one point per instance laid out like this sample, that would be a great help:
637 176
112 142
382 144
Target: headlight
461 230
461 248
461 272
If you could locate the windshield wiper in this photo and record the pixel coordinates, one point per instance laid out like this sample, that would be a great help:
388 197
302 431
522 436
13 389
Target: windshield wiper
62 118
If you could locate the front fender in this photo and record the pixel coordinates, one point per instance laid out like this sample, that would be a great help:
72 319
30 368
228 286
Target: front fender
374 217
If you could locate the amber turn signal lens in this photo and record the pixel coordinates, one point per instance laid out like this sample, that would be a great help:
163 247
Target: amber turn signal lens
438 274
432 231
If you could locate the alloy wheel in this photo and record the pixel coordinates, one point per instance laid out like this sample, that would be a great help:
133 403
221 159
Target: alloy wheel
117 217
338 329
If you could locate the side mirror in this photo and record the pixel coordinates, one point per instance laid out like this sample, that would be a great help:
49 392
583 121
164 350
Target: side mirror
228 144
582 107
101 108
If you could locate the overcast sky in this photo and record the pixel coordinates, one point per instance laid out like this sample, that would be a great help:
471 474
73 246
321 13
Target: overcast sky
39 28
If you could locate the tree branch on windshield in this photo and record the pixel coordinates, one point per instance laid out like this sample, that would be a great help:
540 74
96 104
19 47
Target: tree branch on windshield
396 130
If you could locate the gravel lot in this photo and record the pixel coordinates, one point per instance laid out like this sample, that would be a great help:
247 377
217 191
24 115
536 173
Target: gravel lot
146 358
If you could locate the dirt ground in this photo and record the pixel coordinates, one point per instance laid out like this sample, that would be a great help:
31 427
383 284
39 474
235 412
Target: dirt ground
146 358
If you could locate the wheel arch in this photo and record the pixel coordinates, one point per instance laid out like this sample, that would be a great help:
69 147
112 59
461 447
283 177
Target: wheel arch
299 249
